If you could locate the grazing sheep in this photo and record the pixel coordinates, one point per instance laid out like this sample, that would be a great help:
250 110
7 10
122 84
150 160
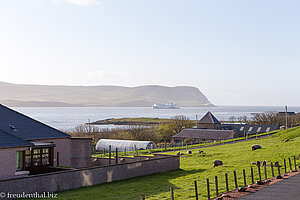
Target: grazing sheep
122 160
277 164
189 152
217 163
255 147
201 152
178 154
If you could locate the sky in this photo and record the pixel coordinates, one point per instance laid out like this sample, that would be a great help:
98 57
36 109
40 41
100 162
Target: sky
236 52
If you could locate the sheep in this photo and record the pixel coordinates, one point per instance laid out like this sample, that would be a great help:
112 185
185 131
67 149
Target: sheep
217 163
255 147
201 152
189 152
178 154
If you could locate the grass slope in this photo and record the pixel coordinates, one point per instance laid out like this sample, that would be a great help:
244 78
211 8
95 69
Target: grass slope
236 156
133 121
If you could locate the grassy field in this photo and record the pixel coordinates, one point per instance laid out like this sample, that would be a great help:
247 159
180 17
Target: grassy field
177 148
137 121
133 121
237 156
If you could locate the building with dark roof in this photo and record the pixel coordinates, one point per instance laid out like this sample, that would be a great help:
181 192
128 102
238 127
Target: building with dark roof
204 135
28 146
249 129
209 121
210 128
286 113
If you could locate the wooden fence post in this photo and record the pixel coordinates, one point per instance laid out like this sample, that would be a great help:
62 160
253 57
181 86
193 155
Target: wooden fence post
244 174
252 177
208 191
109 155
295 162
259 173
278 170
226 181
284 165
217 189
265 170
290 164
172 193
235 179
116 155
196 190
272 169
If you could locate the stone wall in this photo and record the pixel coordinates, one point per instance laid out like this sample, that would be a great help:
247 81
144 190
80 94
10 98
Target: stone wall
66 180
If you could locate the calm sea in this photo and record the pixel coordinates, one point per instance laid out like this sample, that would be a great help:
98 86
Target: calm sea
69 117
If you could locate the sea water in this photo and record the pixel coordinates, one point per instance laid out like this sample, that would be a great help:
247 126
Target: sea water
68 117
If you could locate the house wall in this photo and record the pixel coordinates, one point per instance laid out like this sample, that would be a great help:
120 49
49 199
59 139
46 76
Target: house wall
58 181
8 162
63 146
81 152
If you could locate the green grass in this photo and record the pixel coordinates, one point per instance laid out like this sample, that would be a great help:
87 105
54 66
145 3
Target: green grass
161 150
237 156
289 134
132 121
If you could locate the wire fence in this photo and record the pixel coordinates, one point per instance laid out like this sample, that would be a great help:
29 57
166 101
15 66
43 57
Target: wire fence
259 174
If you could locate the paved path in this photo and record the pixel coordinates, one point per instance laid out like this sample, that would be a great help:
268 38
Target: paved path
288 189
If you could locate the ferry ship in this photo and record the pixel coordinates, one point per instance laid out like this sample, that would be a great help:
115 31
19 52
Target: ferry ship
165 106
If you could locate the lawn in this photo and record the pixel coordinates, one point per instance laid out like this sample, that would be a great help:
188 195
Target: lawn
237 156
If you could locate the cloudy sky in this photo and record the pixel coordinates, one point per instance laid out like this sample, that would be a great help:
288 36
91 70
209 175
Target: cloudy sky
236 52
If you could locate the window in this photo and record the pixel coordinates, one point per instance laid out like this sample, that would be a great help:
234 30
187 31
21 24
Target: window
259 129
37 157
268 129
250 129
242 128
20 159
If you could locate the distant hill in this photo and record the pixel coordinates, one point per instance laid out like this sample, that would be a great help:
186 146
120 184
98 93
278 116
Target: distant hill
106 96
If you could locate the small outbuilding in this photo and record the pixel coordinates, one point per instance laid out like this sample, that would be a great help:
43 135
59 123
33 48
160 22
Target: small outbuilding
124 145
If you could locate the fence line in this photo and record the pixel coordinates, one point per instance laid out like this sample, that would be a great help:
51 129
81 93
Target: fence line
217 184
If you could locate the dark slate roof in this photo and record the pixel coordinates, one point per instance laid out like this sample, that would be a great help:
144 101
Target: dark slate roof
249 128
288 113
25 127
8 141
209 118
208 134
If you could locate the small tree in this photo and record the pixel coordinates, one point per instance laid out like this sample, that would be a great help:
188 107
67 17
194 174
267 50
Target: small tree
178 123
